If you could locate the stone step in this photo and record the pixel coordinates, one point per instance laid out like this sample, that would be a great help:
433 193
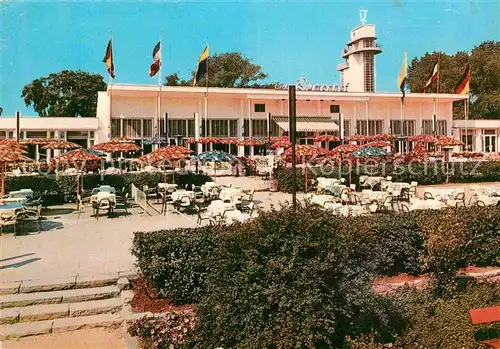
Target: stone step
61 310
24 329
56 297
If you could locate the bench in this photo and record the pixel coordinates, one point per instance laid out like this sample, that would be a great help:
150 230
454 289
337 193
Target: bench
486 316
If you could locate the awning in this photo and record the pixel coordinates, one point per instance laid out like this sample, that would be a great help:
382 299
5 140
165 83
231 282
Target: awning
307 124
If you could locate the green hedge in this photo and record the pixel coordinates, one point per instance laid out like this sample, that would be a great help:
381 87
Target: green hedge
63 188
291 279
427 174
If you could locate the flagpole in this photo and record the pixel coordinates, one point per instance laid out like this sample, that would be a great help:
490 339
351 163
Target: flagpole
110 83
159 99
206 98
437 93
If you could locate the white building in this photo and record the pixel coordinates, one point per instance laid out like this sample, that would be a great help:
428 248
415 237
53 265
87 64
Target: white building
138 111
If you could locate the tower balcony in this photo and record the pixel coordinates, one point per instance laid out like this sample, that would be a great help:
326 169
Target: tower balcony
374 48
342 66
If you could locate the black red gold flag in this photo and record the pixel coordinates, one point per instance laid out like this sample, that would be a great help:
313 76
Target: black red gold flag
155 67
202 68
108 59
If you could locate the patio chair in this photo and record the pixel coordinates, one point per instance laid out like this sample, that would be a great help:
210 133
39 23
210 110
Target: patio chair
103 204
214 193
428 196
404 208
151 193
458 200
404 195
248 208
354 199
250 196
183 204
31 216
201 217
198 194
386 204
167 199
7 219
122 203
412 191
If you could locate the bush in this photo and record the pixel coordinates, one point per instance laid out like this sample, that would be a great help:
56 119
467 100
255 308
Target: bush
63 187
424 174
177 261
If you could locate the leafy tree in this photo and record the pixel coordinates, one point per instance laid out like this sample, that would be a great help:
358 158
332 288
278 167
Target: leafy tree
230 69
67 93
485 80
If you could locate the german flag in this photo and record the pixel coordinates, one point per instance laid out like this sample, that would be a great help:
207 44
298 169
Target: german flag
434 76
155 67
202 68
402 78
463 85
108 59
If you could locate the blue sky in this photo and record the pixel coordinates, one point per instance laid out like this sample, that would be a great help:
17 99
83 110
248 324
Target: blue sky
289 39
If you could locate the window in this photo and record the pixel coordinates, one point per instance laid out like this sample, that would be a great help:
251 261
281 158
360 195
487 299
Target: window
203 129
259 128
132 128
334 108
408 128
246 128
147 128
115 128
260 108
175 127
218 128
361 127
233 128
369 73
441 128
191 130
347 128
427 127
375 127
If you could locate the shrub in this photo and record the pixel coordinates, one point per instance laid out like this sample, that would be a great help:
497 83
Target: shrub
63 187
290 280
173 330
177 261
425 174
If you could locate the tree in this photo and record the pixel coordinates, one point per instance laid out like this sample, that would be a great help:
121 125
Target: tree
229 69
67 93
485 80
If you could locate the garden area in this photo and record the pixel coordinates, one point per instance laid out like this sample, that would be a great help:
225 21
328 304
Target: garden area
305 278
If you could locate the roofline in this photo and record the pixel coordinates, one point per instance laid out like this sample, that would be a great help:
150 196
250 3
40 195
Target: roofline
253 92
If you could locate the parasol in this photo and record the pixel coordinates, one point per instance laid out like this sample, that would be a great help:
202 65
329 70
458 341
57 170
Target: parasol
175 148
251 142
384 137
378 144
205 140
344 149
360 138
445 141
216 155
9 154
305 152
61 144
370 152
113 147
422 139
122 140
37 141
326 138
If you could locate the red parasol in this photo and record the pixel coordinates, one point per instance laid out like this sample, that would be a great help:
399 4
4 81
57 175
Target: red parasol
280 142
422 139
344 149
122 140
8 154
116 147
226 141
327 138
360 138
378 144
445 141
384 137
61 144
205 140
250 142
37 141
306 151
419 153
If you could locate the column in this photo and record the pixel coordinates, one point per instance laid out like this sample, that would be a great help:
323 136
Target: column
241 120
250 130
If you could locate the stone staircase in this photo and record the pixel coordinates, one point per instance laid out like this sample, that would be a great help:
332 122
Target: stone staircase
37 307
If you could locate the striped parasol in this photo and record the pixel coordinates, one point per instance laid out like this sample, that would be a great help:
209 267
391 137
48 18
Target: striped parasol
445 141
61 144
9 154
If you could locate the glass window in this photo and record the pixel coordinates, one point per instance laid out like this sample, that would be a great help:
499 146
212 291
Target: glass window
176 127
361 127
115 128
375 127
259 128
147 128
347 128
190 131
132 128
233 128
441 128
260 108
36 134
246 128
218 128
427 127
334 108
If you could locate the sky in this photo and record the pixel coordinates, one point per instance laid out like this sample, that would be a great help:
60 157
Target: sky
289 39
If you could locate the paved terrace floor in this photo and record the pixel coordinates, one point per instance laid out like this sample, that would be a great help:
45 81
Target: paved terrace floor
71 245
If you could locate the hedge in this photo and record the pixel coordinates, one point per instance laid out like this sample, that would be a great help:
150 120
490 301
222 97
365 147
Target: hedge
291 279
62 188
424 174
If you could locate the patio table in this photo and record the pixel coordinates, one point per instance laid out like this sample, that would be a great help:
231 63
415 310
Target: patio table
167 186
443 194
426 205
374 195
103 192
205 188
324 182
10 209
217 207
396 187
321 199
23 193
335 189
230 194
21 200
372 181
236 216
178 194
353 210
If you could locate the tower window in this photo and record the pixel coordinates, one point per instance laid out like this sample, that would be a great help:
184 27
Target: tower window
260 108
334 108
369 72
